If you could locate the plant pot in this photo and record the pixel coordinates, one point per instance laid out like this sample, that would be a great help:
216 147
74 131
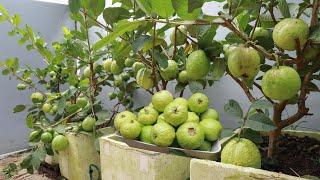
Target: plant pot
74 162
120 161
204 169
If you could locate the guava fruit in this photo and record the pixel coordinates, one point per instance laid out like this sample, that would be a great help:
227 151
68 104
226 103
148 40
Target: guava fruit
46 107
161 99
87 72
115 68
175 114
205 146
261 55
128 62
34 135
137 66
148 116
183 77
21 87
198 102
144 78
112 95
60 143
190 135
212 129
182 101
88 123
229 48
197 65
161 118
193 117
82 102
287 31
181 37
145 135
170 72
54 109
260 32
117 81
130 129
162 134
123 117
125 76
36 97
210 114
241 152
107 65
281 83
46 137
244 62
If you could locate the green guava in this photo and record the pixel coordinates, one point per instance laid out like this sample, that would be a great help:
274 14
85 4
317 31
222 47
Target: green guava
162 134
130 129
46 137
182 101
161 118
87 72
88 123
205 146
260 32
21 87
107 65
197 65
148 116
281 83
123 117
175 114
82 102
244 62
37 97
210 114
145 135
170 72
117 81
137 66
193 117
60 143
112 95
54 109
190 135
183 77
161 99
128 62
125 76
46 107
287 31
144 78
241 152
115 68
181 37
261 55
198 102
34 136
229 48
212 129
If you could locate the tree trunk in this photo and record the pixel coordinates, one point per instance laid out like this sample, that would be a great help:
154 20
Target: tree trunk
273 142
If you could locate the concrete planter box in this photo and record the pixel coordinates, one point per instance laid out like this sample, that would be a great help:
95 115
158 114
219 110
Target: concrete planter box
119 162
74 162
207 170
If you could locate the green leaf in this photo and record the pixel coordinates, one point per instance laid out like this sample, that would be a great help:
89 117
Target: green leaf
252 135
243 20
139 42
284 8
161 59
232 38
260 122
19 108
94 6
16 20
114 14
315 34
102 116
179 87
181 7
121 28
266 21
61 105
29 121
4 15
234 109
195 86
145 6
163 8
261 104
74 5
218 69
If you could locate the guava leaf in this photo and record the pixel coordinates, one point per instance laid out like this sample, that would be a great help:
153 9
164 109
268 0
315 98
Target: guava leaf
243 20
218 69
253 135
114 14
145 6
161 59
260 122
234 109
163 8
29 121
261 104
74 5
19 108
195 86
284 8
181 7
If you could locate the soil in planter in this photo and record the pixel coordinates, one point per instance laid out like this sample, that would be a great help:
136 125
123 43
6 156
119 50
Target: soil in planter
296 156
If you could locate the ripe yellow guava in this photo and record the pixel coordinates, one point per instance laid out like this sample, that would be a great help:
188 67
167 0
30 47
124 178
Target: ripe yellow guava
190 135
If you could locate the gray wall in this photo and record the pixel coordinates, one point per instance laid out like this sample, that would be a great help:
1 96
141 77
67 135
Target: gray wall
48 18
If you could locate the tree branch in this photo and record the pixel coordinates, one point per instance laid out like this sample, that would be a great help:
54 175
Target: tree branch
243 86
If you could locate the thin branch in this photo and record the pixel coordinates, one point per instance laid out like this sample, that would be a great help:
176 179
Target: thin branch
243 86
270 9
259 87
154 73
314 17
256 23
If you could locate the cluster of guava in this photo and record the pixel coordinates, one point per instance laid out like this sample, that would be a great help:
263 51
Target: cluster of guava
166 121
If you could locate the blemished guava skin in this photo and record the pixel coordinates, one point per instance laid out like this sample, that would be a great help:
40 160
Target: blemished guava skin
197 65
193 117
88 123
162 134
244 62
241 152
287 31
190 135
212 129
130 129
59 143
123 117
198 102
281 83
145 135
181 35
144 78
175 114
171 72
161 99
148 115
210 114
205 146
